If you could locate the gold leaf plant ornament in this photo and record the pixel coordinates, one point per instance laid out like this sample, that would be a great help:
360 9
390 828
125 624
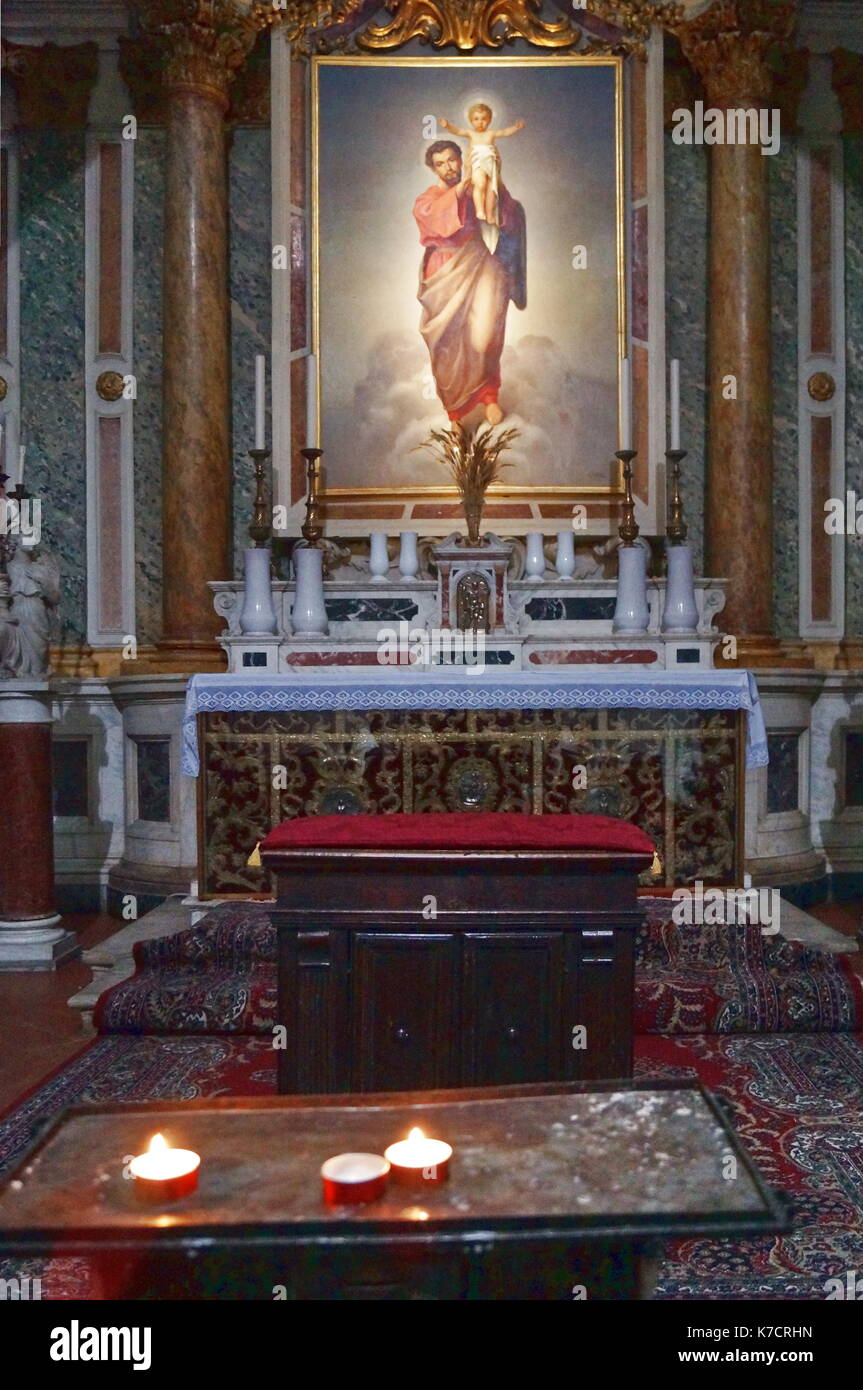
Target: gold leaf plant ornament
473 459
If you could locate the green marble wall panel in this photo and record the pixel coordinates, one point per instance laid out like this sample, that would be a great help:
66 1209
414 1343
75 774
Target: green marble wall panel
250 268
51 230
854 371
687 229
686 318
148 210
782 168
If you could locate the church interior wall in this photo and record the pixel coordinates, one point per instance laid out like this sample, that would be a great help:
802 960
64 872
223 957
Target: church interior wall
783 276
51 235
52 368
148 222
854 369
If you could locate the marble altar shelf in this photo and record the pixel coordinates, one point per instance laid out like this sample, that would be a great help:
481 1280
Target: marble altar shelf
375 688
551 622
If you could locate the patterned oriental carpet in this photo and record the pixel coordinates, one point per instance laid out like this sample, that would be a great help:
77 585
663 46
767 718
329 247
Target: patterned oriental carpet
220 977
771 1027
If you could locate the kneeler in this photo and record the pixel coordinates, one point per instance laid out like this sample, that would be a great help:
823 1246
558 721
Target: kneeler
441 950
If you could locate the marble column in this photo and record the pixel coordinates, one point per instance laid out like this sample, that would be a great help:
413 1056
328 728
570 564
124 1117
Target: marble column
203 45
729 46
31 937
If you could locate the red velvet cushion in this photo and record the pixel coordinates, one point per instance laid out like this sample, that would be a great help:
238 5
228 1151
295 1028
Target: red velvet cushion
458 830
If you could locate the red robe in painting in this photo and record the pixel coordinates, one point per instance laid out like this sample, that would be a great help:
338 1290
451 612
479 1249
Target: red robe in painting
464 292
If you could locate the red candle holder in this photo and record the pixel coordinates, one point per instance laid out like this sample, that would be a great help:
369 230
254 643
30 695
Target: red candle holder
350 1179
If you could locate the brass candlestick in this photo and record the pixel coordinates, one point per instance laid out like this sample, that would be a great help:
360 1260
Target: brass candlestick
676 529
312 528
261 528
628 528
7 541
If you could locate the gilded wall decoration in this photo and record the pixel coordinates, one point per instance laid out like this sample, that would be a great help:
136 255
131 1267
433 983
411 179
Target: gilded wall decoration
467 25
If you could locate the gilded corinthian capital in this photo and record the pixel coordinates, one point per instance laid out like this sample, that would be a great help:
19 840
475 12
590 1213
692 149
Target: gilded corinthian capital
202 43
730 45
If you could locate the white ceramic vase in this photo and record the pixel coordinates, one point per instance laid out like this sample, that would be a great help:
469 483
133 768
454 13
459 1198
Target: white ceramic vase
631 613
680 614
379 560
258 614
409 562
534 566
309 613
564 561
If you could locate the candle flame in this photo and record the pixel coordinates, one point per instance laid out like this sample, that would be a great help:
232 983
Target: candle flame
416 1134
158 1144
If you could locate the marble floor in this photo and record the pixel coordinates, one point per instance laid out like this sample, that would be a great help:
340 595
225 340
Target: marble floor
38 1030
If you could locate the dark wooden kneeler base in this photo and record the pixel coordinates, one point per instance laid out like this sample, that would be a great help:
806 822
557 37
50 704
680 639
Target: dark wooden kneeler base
406 969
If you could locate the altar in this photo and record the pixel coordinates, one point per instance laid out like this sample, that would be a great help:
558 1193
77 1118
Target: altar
663 750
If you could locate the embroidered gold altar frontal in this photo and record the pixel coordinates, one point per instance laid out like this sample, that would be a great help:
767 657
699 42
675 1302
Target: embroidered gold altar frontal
678 774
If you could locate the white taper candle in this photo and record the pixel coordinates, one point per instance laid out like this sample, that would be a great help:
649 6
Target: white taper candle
260 395
312 438
675 403
625 403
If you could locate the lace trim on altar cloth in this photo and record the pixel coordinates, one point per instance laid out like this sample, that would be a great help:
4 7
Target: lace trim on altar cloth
358 690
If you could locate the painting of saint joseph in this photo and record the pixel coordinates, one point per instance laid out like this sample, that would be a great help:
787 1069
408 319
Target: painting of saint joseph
473 266
447 286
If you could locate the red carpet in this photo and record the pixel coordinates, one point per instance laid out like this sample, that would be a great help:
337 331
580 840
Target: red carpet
767 1024
221 978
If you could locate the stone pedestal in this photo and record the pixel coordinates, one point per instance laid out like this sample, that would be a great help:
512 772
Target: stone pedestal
31 937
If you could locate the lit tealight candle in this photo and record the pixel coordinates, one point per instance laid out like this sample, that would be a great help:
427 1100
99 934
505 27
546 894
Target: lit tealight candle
163 1174
418 1160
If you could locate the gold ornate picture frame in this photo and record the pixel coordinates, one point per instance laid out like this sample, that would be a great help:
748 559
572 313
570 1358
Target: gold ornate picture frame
560 368
636 47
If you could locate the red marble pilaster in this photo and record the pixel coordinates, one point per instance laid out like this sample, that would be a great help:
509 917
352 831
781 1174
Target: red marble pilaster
31 937
26 815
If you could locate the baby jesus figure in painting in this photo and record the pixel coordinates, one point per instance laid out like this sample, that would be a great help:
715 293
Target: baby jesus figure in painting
484 165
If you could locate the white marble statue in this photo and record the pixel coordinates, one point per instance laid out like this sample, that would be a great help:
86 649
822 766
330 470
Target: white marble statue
10 646
34 587
589 559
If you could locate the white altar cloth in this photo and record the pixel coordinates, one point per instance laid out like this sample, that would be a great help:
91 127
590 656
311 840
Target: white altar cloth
358 688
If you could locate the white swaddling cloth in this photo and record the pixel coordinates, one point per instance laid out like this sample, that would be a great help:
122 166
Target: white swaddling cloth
486 160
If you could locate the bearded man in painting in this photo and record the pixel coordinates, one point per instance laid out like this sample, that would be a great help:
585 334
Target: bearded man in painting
465 289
